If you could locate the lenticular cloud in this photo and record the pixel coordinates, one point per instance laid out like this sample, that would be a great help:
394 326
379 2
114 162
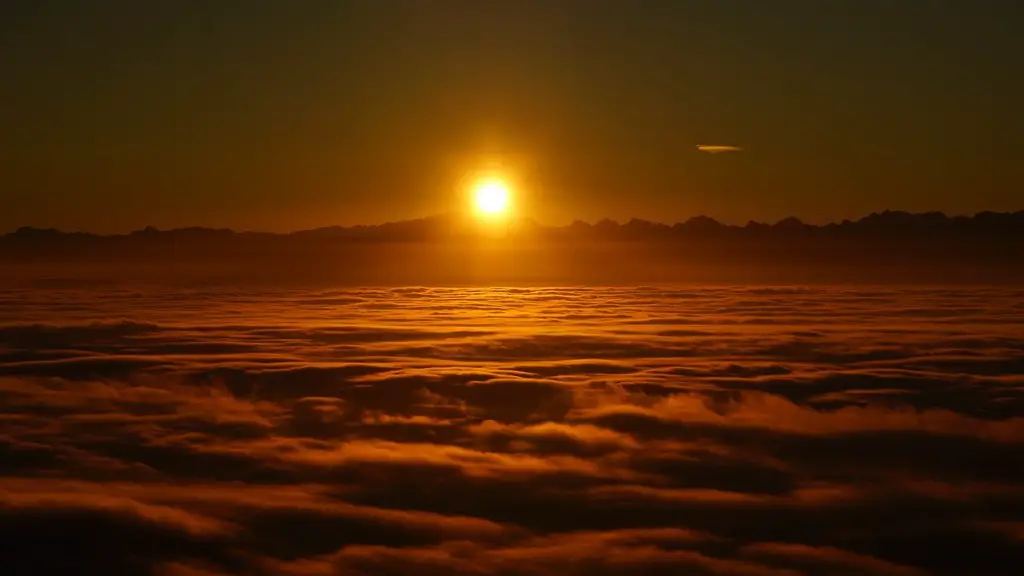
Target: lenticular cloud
714 149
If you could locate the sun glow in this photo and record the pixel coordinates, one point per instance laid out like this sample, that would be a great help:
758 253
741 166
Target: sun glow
491 196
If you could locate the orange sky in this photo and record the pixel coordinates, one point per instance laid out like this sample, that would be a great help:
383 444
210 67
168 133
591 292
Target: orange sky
276 116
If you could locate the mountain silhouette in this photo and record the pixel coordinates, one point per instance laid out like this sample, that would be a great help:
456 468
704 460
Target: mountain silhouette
890 246
876 226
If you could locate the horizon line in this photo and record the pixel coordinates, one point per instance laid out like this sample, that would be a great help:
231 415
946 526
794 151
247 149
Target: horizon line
533 221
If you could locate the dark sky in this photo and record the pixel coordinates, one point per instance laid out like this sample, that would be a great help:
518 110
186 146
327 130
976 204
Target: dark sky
274 114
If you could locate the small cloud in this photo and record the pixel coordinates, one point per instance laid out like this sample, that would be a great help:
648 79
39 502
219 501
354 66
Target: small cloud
714 149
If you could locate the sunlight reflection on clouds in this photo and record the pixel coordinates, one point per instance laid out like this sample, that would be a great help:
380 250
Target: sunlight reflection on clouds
514 431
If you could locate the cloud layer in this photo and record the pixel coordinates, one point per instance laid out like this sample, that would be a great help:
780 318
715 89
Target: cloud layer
739 431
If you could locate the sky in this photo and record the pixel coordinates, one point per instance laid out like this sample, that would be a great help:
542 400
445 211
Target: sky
274 115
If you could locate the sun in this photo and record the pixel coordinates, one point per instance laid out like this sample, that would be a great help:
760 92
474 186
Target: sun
491 196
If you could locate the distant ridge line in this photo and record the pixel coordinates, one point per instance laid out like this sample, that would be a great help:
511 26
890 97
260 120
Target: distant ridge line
885 222
986 248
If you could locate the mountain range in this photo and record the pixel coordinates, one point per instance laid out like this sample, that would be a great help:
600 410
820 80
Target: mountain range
1002 226
887 247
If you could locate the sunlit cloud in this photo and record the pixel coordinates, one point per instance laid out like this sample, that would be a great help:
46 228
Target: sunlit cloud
432 430
717 149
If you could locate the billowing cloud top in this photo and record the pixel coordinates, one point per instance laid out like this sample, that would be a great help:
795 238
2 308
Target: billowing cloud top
496 432
715 149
